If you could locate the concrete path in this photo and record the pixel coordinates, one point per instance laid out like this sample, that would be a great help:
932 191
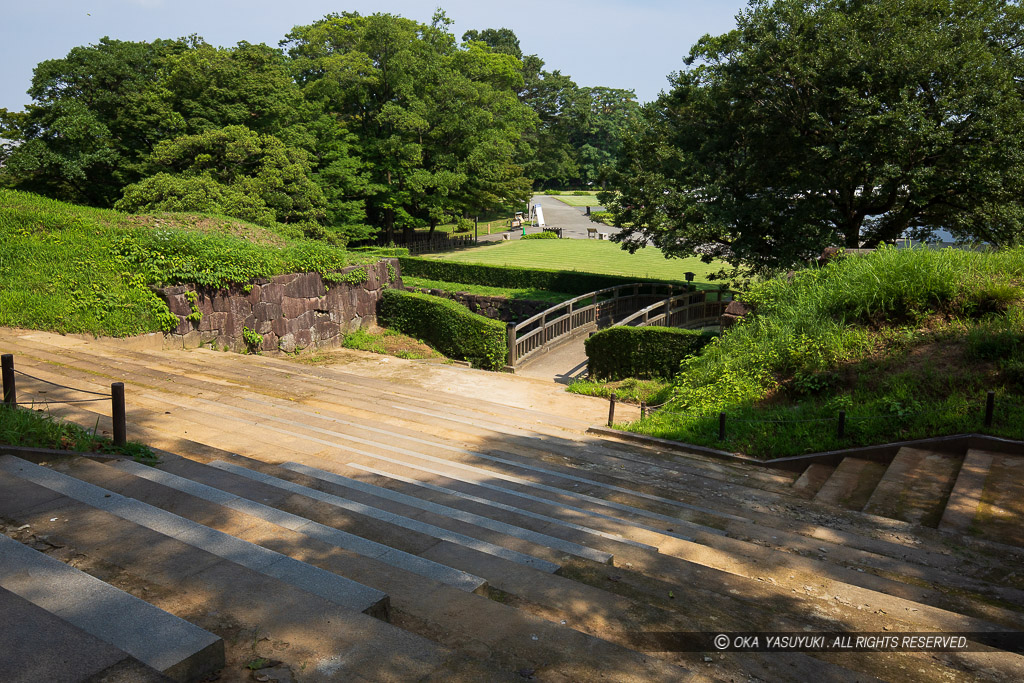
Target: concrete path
571 219
561 364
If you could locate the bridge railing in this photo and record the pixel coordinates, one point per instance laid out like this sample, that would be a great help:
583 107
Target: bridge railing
690 309
591 310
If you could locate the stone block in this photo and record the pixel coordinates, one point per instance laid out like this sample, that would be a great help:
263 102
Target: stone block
280 326
221 302
272 292
266 311
178 305
212 322
292 307
192 340
304 321
239 306
305 286
303 337
184 327
286 343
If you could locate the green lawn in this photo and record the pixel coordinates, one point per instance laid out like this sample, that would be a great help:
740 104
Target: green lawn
591 256
576 200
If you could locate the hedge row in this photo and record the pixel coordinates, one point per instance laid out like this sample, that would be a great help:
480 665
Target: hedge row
567 281
447 326
642 352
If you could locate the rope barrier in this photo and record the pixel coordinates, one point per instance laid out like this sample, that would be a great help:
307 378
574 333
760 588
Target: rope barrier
46 381
81 400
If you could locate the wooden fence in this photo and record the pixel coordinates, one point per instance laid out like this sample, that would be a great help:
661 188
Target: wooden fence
587 311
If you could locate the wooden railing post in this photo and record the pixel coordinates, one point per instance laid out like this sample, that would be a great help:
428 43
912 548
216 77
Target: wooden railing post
118 413
10 392
510 330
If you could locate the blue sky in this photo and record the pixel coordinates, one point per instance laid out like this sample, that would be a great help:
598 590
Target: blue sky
614 43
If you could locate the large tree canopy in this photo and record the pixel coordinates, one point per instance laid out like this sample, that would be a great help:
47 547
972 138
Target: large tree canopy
833 122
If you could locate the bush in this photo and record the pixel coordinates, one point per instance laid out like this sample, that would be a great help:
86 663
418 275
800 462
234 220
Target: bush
552 192
580 193
568 281
644 352
546 235
605 217
447 326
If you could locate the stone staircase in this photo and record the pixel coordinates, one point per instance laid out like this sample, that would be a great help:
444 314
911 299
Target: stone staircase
974 492
335 526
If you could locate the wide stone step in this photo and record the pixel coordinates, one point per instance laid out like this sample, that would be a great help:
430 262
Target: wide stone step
122 624
812 479
965 498
445 511
330 535
331 587
915 487
391 518
1000 510
851 484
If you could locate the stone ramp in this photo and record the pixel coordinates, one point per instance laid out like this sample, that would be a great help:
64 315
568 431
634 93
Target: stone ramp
697 544
69 626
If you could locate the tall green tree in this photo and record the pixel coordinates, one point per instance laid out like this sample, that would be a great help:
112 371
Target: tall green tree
832 122
94 119
422 110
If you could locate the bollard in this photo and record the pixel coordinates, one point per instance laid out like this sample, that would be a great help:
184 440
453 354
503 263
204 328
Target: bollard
117 413
990 408
611 409
721 426
643 409
10 393
842 424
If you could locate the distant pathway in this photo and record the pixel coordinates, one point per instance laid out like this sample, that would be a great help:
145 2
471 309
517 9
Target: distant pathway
571 219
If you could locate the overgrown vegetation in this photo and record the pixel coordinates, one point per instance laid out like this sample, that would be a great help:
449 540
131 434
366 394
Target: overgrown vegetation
447 326
642 352
907 342
630 390
73 269
38 429
389 342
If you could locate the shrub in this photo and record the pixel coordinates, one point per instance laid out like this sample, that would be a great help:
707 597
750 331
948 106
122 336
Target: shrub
552 192
546 235
580 193
568 281
463 225
644 352
605 217
447 326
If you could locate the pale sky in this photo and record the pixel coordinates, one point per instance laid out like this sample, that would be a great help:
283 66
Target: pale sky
616 43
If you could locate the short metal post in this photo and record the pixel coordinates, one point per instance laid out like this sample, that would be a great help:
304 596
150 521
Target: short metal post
990 408
117 413
643 410
842 424
721 426
10 392
611 410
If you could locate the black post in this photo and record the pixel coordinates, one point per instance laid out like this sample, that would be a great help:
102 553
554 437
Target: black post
10 393
721 426
842 423
611 409
117 413
643 409
990 408
476 230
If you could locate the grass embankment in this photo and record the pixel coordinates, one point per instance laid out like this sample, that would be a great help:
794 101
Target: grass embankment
591 256
907 342
579 200
68 268
482 290
35 429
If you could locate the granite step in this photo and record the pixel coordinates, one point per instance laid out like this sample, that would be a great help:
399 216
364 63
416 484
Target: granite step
390 518
92 610
851 484
965 498
1001 504
811 481
330 587
915 487
334 537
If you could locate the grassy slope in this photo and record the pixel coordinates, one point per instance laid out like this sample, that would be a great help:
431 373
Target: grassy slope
506 292
907 342
592 256
68 268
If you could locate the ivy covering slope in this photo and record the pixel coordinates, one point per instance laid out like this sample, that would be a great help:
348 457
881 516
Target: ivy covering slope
67 268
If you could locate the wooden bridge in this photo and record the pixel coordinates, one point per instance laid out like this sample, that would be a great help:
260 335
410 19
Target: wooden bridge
636 304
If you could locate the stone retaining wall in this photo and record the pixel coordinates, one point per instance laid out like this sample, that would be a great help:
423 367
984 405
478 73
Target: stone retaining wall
291 312
493 307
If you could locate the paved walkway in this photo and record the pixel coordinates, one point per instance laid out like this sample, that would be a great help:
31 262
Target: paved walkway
571 219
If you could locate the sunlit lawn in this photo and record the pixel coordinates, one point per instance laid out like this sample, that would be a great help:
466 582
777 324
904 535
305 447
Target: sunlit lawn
592 256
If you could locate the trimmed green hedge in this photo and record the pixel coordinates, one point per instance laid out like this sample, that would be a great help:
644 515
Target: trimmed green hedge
546 235
643 352
447 326
567 281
